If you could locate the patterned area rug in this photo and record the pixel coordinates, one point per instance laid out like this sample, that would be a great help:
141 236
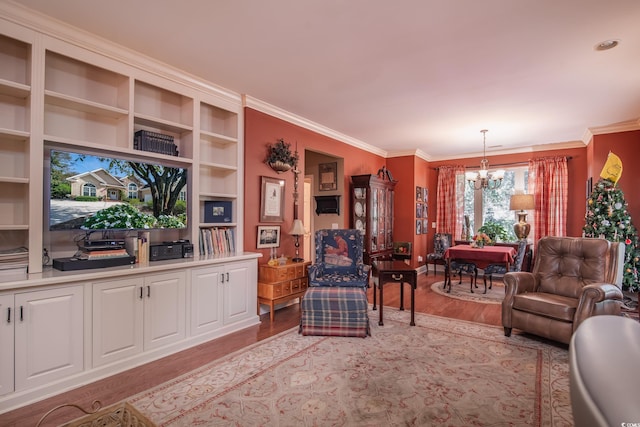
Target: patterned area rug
440 372
495 295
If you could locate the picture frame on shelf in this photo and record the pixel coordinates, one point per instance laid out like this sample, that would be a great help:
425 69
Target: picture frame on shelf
272 200
268 236
328 173
218 211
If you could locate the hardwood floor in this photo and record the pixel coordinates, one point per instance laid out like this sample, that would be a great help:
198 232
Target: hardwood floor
119 387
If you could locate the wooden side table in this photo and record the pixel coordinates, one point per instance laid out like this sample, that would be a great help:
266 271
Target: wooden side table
281 283
394 272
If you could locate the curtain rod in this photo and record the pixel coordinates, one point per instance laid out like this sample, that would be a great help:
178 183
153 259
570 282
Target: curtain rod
503 164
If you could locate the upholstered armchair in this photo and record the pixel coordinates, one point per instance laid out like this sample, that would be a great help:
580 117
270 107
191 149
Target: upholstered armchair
336 301
573 278
441 242
339 260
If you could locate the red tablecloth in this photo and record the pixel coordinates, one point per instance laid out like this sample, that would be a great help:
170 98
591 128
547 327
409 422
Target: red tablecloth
481 256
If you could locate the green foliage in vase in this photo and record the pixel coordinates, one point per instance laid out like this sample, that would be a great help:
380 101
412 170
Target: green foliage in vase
495 231
607 217
281 152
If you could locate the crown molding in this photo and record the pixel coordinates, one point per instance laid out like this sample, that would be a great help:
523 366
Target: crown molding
531 149
272 110
626 126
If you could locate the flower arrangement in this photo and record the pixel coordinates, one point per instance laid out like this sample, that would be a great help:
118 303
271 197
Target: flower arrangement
280 157
480 239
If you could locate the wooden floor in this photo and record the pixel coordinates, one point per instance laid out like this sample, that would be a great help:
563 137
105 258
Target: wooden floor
121 386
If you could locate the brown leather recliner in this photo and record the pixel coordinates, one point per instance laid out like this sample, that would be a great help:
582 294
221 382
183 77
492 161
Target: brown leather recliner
573 278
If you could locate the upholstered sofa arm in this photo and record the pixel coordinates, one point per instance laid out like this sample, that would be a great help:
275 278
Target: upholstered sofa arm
597 299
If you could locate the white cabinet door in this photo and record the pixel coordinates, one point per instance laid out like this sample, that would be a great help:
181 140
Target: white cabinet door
48 335
164 309
7 320
206 299
240 283
117 319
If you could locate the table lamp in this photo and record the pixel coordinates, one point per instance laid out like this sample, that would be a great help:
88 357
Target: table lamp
297 230
521 203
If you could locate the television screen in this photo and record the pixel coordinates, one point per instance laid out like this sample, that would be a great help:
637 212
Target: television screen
92 192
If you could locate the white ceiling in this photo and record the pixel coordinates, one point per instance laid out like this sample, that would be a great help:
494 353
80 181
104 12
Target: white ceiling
401 75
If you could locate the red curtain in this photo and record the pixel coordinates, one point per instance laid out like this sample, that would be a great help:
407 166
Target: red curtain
549 182
449 208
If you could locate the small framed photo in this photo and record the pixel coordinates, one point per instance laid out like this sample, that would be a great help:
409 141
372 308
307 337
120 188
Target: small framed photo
418 226
272 200
425 195
328 176
425 226
418 210
268 236
419 194
218 211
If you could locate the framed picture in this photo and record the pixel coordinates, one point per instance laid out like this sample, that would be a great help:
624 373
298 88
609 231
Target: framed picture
217 211
419 194
425 226
425 195
418 210
272 200
268 236
418 226
328 176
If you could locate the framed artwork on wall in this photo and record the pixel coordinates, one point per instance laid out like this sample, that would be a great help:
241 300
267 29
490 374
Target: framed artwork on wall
419 197
328 173
272 200
268 236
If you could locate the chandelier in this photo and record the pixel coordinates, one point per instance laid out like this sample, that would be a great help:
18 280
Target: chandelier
483 179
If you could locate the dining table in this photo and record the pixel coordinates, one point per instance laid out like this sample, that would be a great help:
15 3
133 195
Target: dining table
480 256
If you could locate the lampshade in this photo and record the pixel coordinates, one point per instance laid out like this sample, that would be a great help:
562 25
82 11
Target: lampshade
521 202
297 228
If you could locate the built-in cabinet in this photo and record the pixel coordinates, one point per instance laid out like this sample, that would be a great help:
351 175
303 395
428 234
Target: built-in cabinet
220 295
372 213
57 95
61 89
137 314
41 339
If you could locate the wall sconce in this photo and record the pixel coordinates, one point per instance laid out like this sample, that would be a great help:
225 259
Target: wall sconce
297 230
522 203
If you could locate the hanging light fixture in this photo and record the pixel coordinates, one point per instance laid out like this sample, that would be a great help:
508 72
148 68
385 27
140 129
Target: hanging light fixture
483 179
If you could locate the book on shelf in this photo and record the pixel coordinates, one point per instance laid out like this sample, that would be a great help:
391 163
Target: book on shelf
217 241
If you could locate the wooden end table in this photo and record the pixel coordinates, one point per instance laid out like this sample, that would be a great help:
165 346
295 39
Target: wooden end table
394 272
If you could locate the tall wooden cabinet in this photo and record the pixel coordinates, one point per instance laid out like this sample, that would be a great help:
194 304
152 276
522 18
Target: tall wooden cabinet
372 214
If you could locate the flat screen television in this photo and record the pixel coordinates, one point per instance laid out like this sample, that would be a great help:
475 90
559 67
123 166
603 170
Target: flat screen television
92 192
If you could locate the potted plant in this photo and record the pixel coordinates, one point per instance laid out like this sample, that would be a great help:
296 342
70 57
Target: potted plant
280 157
495 231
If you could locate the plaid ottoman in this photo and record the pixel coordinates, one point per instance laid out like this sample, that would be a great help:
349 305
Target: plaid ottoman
336 311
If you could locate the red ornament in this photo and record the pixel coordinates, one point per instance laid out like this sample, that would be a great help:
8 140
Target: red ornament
627 242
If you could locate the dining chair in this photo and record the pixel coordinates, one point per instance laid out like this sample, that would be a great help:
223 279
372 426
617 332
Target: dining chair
441 242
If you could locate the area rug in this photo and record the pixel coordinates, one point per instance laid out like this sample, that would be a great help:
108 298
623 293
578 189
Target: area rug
439 372
495 295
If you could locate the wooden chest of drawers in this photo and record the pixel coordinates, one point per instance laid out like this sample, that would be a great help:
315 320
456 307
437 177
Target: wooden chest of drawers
281 283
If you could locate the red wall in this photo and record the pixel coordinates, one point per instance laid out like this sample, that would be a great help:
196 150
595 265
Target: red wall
261 129
412 171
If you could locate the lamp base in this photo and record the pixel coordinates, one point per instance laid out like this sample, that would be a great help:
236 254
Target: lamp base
521 228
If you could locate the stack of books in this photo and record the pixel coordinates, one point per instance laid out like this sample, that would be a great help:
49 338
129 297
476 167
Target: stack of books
101 253
14 262
217 241
155 142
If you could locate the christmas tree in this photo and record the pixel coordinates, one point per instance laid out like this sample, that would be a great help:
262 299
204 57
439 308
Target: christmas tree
607 217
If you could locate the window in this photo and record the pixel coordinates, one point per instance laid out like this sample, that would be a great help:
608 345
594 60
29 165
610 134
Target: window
493 205
132 190
89 189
